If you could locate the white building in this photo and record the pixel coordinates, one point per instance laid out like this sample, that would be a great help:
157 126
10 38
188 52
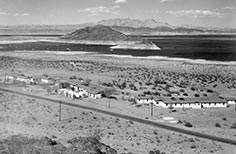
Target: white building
95 92
74 90
20 78
10 78
145 100
229 99
196 103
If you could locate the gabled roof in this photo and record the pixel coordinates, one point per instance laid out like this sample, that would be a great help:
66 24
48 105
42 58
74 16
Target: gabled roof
144 97
169 100
94 89
228 97
195 100
158 98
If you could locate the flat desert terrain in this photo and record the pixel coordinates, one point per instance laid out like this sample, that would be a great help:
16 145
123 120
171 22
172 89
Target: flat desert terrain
128 77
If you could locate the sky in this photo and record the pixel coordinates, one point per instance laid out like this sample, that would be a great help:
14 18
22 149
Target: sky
207 13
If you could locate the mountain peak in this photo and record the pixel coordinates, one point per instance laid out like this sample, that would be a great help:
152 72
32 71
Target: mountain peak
97 32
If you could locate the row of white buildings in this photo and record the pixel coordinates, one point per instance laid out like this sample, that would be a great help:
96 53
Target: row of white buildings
20 78
196 103
72 90
76 91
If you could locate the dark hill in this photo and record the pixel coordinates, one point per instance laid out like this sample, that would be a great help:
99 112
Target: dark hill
98 32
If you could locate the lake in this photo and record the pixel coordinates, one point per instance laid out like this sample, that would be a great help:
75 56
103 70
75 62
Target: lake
205 47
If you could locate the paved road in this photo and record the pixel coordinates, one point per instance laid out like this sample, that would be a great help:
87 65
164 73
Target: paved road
143 121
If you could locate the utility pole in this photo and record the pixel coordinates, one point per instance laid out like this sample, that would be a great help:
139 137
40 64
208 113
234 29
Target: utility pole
59 110
151 108
183 104
109 104
5 81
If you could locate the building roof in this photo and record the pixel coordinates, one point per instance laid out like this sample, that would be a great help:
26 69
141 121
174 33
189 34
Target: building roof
158 98
195 100
144 97
94 89
228 97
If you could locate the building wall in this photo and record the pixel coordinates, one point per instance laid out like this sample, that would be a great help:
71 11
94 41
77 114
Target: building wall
231 102
70 93
98 96
209 105
8 77
45 81
62 91
94 96
145 101
193 105
161 104
78 94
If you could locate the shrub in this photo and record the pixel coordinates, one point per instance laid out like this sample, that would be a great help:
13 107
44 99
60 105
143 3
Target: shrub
138 105
191 140
193 146
72 77
209 91
148 83
196 95
224 119
179 122
155 132
193 89
187 124
156 152
131 85
217 125
151 152
233 126
131 122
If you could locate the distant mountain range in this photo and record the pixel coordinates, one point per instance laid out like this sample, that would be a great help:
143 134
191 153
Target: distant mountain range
126 25
134 23
153 26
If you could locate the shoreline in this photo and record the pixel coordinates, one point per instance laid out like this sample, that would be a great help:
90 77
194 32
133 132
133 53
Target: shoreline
165 58
132 34
133 45
158 58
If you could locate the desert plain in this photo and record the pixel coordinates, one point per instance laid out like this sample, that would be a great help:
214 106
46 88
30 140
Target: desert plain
127 77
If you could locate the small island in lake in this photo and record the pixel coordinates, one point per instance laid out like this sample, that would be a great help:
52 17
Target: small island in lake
104 35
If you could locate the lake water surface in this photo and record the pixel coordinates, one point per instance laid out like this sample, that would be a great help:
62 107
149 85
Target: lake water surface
205 47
